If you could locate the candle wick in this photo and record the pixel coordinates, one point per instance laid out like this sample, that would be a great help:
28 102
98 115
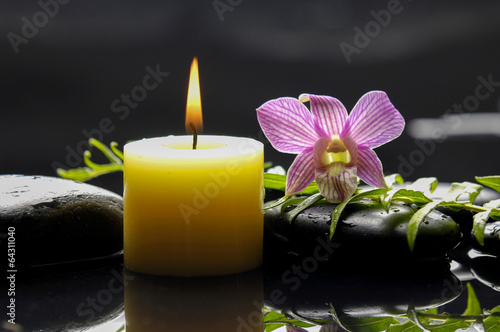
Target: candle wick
195 135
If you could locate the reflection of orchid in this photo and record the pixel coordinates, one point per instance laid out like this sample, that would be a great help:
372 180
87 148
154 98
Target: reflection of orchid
333 148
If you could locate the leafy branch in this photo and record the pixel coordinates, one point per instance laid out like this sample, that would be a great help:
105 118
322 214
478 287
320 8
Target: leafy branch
92 169
416 193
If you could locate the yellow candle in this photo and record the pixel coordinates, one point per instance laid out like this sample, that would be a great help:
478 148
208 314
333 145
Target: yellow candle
193 212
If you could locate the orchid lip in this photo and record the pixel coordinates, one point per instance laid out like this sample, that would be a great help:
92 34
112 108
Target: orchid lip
336 152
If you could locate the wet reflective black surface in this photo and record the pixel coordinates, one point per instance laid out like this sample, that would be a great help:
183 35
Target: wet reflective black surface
102 296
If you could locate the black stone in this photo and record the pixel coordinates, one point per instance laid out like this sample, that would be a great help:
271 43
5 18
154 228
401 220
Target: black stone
48 220
365 232
491 239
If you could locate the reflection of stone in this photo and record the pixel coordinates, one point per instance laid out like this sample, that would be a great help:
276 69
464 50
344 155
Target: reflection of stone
70 301
227 303
357 295
53 220
486 269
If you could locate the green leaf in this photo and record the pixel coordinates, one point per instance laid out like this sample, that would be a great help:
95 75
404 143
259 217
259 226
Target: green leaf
83 174
390 180
92 169
457 189
373 194
473 306
490 181
386 199
415 221
413 193
479 223
480 219
424 184
311 200
113 145
406 195
278 182
275 181
270 205
291 201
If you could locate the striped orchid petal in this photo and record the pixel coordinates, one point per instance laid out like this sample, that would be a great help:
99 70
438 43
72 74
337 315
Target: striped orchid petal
374 121
301 172
370 168
337 182
329 112
287 124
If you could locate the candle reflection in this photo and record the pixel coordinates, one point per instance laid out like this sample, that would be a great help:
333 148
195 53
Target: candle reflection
229 303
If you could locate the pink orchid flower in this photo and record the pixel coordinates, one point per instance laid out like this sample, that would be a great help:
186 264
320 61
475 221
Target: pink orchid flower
333 148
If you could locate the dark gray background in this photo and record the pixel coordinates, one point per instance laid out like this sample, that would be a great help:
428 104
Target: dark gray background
65 78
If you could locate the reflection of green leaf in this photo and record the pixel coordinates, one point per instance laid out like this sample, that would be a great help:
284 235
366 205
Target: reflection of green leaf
413 317
273 320
492 323
336 319
370 324
473 306
490 181
272 316
295 329
450 325
332 327
408 326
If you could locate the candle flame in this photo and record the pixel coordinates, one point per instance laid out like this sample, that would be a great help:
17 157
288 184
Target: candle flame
193 106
